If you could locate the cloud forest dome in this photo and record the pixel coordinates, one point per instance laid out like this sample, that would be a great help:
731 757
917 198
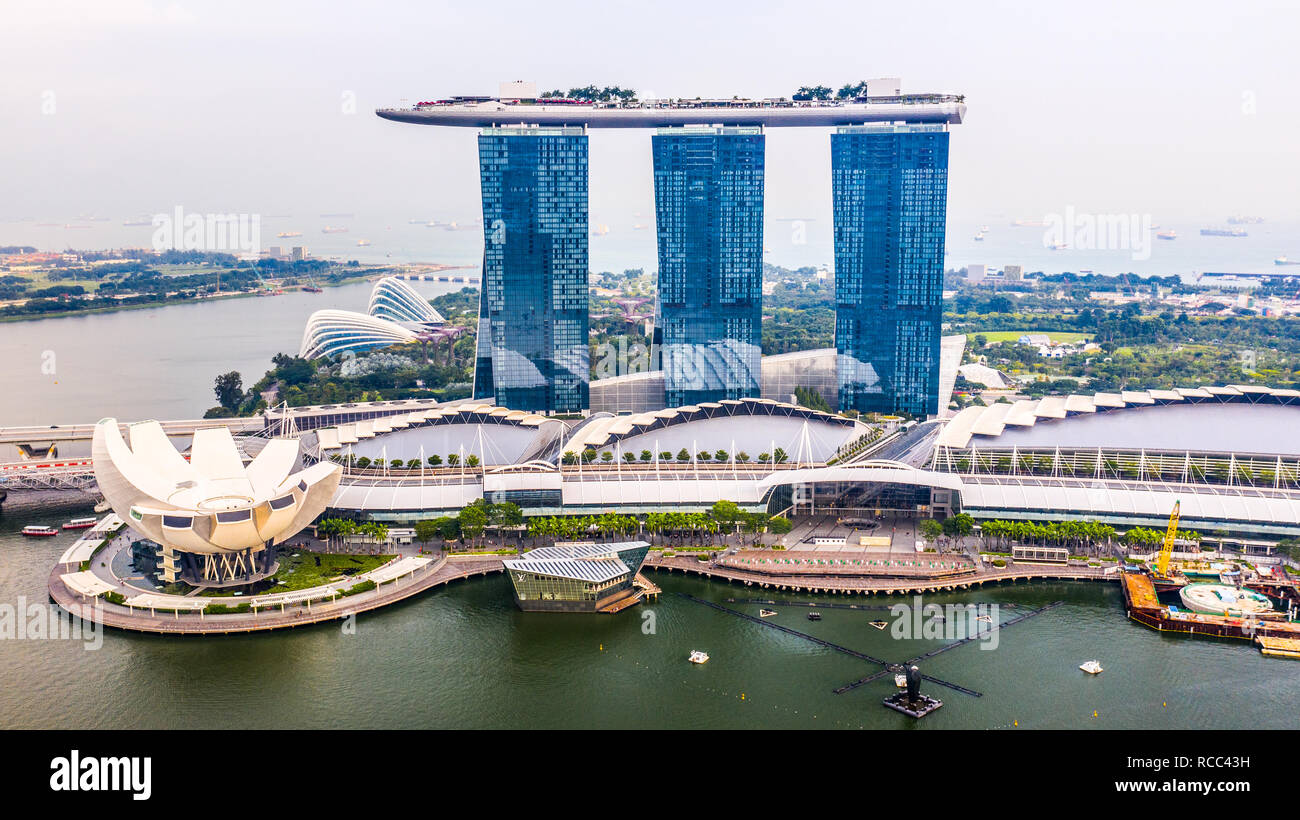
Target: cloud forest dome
396 315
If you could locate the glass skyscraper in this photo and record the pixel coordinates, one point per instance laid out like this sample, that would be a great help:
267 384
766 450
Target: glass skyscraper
890 189
532 341
709 219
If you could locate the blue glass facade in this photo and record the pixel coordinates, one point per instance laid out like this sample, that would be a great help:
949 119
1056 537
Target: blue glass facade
890 190
532 343
709 219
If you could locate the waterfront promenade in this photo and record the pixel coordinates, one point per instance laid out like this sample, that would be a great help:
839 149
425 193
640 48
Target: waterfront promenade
867 585
308 611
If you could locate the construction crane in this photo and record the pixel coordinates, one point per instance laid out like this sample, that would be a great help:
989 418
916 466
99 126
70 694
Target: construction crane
1162 564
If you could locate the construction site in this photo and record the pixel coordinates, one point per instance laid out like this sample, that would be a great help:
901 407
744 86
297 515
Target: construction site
1224 600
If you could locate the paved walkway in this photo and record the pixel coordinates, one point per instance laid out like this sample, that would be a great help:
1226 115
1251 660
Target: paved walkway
867 585
442 571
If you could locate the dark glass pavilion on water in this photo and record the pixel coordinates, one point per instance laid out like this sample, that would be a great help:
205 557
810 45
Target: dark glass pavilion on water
532 341
709 220
890 194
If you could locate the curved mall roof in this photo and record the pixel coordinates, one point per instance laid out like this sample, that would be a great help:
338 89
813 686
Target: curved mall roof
1231 419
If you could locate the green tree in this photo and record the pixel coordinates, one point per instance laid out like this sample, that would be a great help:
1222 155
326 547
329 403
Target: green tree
229 388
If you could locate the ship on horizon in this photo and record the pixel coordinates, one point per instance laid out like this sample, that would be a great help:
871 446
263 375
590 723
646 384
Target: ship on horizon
1223 232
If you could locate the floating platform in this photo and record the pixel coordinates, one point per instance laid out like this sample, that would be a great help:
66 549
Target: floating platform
1143 606
919 708
1279 647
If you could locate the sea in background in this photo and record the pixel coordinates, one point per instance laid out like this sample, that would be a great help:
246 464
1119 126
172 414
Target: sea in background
623 242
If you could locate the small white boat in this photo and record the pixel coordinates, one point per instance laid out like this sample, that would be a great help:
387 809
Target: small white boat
698 657
766 613
900 681
39 531
1091 667
879 624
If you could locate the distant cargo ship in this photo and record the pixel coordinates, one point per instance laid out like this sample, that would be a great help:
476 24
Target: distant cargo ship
1167 235
1029 223
363 242
137 223
1222 232
1282 260
332 229
288 234
1245 220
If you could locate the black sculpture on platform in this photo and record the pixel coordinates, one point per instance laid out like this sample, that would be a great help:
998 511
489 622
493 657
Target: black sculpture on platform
911 701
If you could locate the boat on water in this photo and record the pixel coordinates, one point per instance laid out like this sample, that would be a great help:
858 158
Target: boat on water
879 624
333 229
1057 246
814 616
288 234
80 524
363 242
979 237
1091 667
698 657
1223 232
900 680
313 289
766 613
1282 260
1167 235
39 531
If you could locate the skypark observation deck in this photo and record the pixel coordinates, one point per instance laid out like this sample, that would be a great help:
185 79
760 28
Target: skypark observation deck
486 112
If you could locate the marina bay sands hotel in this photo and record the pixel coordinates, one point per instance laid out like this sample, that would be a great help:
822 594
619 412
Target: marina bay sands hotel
889 163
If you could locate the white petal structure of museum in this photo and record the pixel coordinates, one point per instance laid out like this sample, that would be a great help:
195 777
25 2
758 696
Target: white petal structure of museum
397 301
217 520
330 332
397 314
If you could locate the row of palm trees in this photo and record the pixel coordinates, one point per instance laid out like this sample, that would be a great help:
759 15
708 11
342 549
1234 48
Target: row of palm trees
1074 534
684 456
366 463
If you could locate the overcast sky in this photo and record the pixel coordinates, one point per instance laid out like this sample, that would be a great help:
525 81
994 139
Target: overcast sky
1180 109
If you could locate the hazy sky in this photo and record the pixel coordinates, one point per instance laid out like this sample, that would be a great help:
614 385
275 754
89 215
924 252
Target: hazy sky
1180 109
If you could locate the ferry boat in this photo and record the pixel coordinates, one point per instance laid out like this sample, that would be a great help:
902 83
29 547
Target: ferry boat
39 531
766 613
80 524
698 657
814 616
1091 667
1167 235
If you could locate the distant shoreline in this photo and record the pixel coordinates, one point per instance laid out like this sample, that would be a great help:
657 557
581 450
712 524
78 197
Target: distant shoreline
351 280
